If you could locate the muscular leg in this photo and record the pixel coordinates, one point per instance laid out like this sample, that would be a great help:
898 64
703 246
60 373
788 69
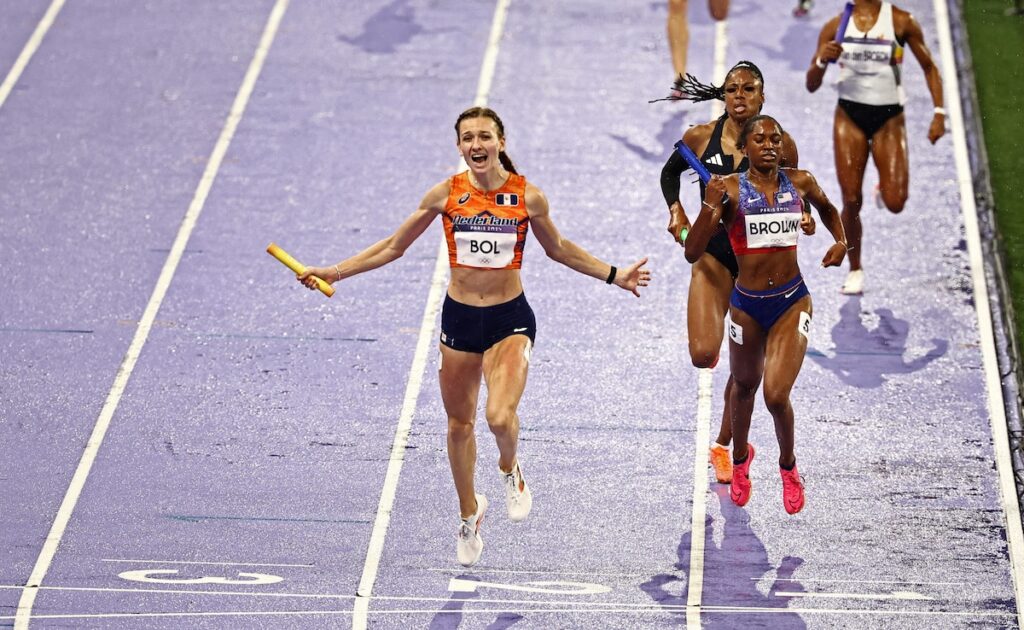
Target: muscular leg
746 361
784 355
889 151
719 9
851 153
678 34
460 388
706 306
505 368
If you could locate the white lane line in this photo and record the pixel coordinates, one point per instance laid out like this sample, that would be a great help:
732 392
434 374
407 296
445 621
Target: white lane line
30 49
241 564
512 605
719 67
801 580
477 571
901 595
426 339
996 408
695 582
647 609
124 372
969 614
490 61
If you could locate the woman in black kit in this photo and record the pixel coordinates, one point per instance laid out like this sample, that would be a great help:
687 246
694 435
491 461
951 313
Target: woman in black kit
713 275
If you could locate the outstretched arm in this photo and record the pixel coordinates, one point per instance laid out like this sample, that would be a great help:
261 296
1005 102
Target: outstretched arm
809 189
561 249
386 250
914 38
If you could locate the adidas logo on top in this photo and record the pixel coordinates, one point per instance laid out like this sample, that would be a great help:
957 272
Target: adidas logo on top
715 159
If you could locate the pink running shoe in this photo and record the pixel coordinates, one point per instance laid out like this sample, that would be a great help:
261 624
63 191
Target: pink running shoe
740 488
792 490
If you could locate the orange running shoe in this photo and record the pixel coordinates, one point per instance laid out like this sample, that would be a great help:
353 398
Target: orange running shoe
721 461
792 490
740 490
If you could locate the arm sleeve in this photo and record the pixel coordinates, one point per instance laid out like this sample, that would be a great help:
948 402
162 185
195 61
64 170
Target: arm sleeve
670 174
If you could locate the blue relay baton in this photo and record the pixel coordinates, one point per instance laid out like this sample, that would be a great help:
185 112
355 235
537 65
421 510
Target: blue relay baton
695 164
844 19
698 167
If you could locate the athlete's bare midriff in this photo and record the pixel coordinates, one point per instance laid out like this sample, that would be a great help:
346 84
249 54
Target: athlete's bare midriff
484 287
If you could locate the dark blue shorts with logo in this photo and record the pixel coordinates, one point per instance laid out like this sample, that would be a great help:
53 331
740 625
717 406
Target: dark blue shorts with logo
476 328
766 307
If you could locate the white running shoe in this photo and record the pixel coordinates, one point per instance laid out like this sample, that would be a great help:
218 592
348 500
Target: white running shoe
518 498
854 284
470 544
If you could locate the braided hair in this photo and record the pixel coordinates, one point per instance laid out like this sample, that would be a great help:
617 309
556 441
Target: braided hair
487 112
688 88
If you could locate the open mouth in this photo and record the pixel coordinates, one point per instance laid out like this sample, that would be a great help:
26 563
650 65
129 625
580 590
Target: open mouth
479 158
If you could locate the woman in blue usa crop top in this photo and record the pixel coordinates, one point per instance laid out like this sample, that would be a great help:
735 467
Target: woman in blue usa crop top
770 307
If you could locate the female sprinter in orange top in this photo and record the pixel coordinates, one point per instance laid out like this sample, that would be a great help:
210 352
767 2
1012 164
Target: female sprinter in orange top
869 115
487 327
770 312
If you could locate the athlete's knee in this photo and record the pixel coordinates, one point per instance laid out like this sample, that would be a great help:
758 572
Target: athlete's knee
852 201
460 429
776 399
743 388
703 355
501 420
894 200
719 9
677 6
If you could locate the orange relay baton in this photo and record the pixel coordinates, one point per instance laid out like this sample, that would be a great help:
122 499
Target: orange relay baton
297 267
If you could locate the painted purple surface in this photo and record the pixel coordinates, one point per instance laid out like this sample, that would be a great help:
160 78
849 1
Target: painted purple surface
17 22
257 426
258 423
904 492
102 146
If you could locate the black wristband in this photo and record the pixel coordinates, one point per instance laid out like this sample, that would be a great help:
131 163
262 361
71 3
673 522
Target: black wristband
611 275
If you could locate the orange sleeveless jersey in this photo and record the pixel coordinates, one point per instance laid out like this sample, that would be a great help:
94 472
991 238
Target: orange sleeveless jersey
486 229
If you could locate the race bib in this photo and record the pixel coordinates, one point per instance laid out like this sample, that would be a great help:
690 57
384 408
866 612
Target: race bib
779 229
489 246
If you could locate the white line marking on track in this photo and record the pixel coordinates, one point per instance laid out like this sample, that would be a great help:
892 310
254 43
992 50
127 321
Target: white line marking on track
437 287
903 595
478 571
996 408
30 49
523 605
646 609
458 585
695 583
241 564
124 372
831 581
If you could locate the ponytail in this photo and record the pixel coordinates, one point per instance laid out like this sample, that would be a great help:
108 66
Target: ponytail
688 88
506 161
